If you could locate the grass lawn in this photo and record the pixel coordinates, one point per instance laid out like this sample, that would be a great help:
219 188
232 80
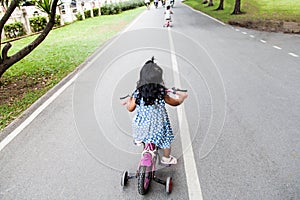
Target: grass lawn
280 9
284 10
62 51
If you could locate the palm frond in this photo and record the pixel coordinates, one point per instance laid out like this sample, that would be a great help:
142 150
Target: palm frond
45 5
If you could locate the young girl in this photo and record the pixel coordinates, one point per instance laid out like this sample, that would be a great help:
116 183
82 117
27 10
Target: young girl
151 123
168 12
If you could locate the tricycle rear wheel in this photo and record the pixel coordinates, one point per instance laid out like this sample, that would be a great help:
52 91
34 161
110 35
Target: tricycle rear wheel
169 185
124 178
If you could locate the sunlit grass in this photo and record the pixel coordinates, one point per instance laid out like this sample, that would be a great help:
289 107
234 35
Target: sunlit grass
280 9
286 10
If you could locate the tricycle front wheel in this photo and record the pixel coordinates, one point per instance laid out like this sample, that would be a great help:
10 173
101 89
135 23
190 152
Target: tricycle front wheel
144 180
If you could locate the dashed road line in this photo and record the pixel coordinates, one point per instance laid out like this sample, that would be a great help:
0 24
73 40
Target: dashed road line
277 47
294 55
263 41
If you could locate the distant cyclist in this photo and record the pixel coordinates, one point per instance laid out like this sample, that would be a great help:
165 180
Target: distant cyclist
172 3
147 3
156 3
168 12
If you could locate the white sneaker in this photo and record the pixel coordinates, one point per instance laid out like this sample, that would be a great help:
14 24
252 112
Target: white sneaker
169 161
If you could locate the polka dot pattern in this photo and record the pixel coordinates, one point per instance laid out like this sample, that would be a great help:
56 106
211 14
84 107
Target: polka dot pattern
151 124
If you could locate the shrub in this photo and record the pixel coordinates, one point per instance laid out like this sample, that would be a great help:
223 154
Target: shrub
117 8
79 16
105 10
14 30
111 9
87 13
57 20
38 23
96 11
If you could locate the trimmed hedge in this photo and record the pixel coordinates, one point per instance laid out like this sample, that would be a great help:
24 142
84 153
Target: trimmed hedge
38 23
128 5
87 14
96 11
116 8
112 9
79 16
57 21
14 30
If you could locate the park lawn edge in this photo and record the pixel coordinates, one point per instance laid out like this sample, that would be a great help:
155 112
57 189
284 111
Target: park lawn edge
254 15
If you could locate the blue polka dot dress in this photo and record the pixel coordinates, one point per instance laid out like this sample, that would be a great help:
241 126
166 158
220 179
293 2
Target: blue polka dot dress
151 124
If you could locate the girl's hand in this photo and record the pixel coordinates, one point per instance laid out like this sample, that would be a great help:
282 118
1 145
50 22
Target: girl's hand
125 101
182 95
129 102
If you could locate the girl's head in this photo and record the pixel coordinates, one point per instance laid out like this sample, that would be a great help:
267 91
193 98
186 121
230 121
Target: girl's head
150 85
150 73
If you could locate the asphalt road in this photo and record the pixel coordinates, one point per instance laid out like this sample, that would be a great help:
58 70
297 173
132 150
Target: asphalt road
241 118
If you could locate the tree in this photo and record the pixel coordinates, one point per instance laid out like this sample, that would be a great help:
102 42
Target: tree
210 3
221 5
49 6
237 8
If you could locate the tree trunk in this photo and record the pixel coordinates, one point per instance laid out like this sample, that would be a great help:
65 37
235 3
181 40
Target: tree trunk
6 62
6 16
210 3
237 8
221 5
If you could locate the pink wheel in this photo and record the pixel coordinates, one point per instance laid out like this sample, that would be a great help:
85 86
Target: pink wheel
169 185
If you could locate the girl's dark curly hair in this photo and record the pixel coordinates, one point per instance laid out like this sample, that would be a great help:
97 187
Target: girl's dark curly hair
150 85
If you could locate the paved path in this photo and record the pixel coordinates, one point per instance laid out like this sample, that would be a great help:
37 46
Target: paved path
236 135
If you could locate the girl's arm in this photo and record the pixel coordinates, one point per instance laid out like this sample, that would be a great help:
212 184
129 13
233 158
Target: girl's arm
175 102
130 104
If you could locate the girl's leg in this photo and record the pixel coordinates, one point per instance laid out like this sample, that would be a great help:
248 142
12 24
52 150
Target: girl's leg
167 152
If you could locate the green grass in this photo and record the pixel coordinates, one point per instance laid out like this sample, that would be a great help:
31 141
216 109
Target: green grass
280 9
62 51
285 10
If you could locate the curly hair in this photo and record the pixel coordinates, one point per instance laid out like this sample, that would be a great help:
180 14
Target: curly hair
150 85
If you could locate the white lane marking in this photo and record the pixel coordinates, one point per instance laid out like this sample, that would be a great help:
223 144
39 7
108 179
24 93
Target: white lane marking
263 41
192 179
294 55
237 29
252 36
27 121
277 47
245 33
16 131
